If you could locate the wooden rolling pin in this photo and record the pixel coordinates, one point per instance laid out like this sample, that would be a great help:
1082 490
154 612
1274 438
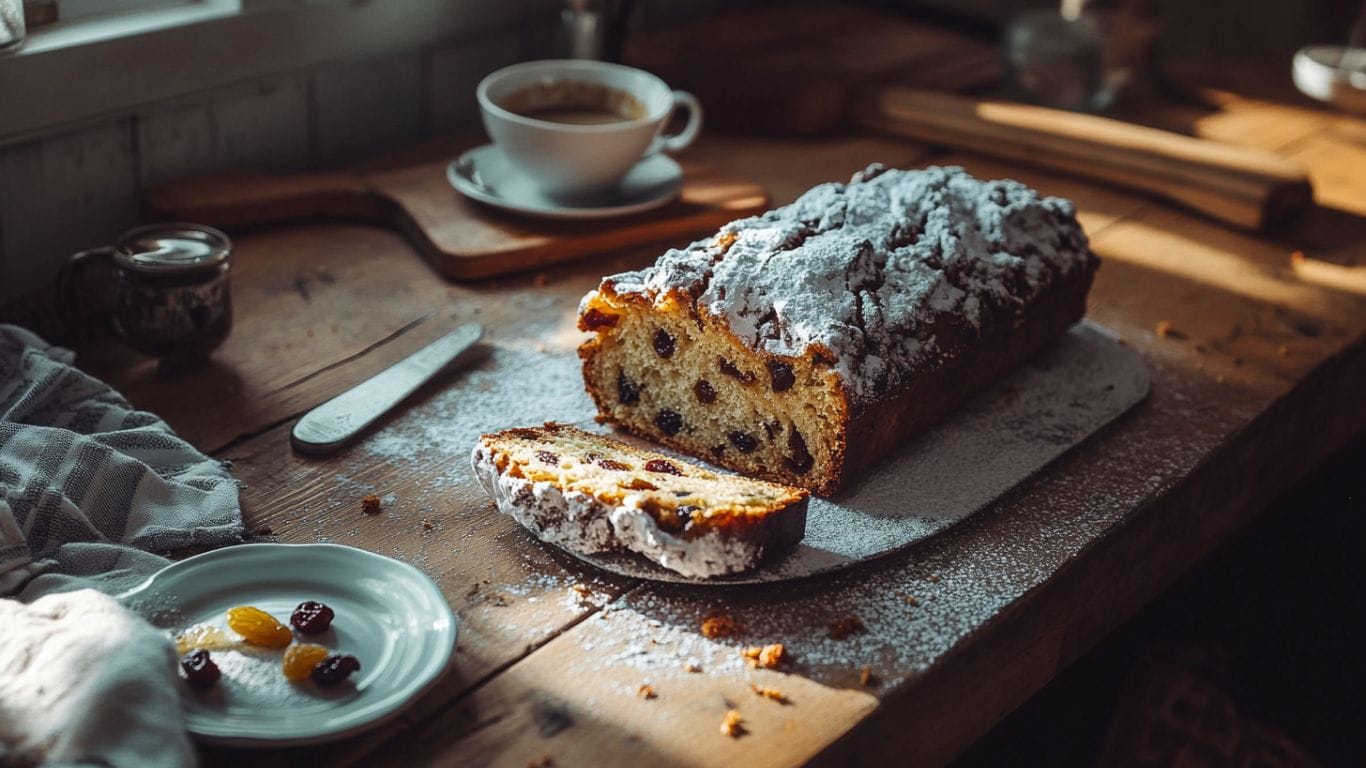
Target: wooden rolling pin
1246 187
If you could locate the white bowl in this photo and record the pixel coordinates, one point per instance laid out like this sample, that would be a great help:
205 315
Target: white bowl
1334 74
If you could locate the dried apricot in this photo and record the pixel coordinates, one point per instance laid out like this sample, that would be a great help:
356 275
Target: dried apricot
258 627
300 659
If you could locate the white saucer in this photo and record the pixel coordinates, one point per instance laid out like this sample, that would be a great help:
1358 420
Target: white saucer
484 174
388 615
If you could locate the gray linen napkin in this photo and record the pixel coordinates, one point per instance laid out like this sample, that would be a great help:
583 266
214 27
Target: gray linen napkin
88 485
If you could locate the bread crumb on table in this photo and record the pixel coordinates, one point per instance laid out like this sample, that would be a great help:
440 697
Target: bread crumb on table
733 725
769 693
692 666
765 657
911 600
544 761
866 677
370 504
719 625
849 625
647 692
1165 330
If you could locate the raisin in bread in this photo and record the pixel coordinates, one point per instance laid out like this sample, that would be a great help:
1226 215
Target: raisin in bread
590 493
802 344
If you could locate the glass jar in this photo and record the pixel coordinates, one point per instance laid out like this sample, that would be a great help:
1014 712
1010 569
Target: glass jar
171 297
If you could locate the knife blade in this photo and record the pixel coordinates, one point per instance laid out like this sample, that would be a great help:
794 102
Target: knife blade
337 421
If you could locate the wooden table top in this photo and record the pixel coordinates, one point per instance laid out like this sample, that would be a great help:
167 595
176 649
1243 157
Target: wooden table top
1260 379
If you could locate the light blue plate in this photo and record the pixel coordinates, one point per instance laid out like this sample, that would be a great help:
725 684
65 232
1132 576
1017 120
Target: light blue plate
388 615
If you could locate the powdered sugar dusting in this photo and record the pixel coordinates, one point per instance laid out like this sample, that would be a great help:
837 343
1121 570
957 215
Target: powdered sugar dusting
864 273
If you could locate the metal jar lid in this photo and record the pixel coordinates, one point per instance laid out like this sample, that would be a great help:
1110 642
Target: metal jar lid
172 248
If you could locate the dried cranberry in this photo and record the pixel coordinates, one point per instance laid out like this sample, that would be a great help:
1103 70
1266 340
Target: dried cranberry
593 320
200 670
728 368
611 464
548 457
781 374
311 617
704 392
801 460
664 344
669 422
334 669
744 441
663 467
628 392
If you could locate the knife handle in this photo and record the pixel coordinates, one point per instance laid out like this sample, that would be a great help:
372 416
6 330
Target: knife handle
337 421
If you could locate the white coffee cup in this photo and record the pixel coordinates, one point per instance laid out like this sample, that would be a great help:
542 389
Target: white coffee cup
529 108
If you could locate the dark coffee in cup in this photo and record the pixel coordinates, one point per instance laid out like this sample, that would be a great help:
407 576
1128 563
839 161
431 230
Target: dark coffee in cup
574 102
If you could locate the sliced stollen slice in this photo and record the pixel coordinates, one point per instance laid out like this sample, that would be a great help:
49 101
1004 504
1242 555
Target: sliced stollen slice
591 494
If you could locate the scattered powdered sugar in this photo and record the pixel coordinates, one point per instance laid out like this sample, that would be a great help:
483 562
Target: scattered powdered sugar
864 273
510 387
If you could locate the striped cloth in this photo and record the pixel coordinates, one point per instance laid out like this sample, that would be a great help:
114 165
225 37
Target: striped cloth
90 487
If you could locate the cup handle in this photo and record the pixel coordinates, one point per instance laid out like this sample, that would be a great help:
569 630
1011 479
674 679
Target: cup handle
684 138
68 280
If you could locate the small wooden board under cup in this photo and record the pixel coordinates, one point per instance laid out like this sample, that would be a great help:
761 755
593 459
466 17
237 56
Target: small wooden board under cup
462 239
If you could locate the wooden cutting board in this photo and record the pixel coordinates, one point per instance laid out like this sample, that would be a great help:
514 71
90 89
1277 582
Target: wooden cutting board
462 239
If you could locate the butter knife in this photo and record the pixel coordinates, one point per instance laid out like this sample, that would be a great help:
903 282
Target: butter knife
335 422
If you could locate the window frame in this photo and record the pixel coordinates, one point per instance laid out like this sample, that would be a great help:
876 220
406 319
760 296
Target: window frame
85 70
